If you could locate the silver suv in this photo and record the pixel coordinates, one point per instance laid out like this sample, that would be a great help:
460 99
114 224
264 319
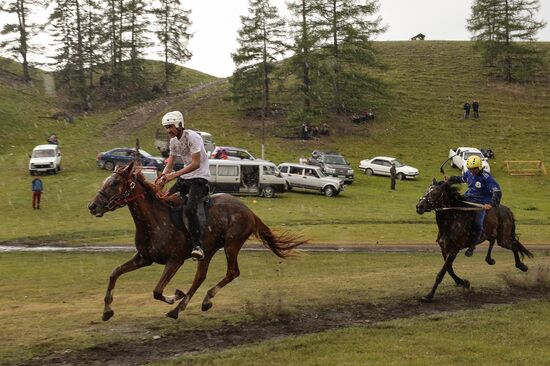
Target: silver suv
310 177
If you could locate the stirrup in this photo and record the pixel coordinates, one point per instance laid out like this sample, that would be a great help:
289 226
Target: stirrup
197 253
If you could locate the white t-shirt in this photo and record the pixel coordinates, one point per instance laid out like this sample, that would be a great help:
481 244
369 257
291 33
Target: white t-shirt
190 143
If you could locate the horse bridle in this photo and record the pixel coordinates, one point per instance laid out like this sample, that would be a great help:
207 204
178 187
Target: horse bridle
122 199
429 200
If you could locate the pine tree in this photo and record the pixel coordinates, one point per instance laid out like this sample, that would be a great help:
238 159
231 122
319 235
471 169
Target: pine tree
261 41
501 28
19 44
138 42
172 23
348 27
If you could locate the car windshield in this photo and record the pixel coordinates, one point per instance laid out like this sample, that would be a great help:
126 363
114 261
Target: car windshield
320 173
50 153
270 170
335 159
397 163
144 153
468 154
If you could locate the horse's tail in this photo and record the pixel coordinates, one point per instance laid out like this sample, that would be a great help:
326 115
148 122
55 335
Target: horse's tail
282 244
515 241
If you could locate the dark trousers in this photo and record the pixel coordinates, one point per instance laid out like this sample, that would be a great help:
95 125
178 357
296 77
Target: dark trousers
392 183
196 189
476 114
36 199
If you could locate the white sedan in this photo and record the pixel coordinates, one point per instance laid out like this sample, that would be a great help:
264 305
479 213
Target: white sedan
381 165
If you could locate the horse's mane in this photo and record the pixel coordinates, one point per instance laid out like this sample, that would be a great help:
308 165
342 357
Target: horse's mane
152 190
453 193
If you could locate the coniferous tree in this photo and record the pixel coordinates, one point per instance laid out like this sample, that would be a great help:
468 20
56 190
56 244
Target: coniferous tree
348 27
18 35
261 41
138 41
172 25
501 28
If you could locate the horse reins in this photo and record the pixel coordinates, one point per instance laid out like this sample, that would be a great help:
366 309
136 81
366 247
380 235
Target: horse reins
123 198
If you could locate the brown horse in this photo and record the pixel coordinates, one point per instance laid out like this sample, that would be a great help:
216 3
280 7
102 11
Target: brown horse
158 240
455 220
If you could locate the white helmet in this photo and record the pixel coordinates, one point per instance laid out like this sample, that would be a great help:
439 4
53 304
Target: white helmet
173 118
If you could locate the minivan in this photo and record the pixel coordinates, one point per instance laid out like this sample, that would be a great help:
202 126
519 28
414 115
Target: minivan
249 177
45 159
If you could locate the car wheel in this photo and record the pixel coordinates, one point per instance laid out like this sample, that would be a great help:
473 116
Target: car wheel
31 172
401 176
59 168
329 191
288 187
109 165
54 171
368 171
268 192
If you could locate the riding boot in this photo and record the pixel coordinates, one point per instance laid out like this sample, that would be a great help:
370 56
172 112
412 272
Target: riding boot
470 251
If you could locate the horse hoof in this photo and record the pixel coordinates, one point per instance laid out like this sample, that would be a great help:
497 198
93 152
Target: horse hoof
522 267
172 314
107 315
206 306
426 299
466 284
179 294
490 261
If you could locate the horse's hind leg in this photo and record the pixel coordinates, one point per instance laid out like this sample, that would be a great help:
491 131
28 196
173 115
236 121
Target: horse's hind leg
232 273
169 271
439 277
136 262
519 264
490 261
200 275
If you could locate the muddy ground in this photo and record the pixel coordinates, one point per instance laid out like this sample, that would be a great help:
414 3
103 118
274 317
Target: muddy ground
305 321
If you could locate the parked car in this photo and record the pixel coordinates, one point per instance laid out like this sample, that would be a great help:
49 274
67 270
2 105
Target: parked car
248 177
123 156
311 178
162 142
45 159
150 173
460 155
332 164
381 165
232 153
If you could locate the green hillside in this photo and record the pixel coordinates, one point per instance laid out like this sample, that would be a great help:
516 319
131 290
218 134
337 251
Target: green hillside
418 120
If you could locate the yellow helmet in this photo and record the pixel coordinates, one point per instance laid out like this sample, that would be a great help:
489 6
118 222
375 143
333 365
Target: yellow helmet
473 162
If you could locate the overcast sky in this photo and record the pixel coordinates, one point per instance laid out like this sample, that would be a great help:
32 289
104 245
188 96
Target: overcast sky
215 25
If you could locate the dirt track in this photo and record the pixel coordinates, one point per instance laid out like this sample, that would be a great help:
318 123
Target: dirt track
305 321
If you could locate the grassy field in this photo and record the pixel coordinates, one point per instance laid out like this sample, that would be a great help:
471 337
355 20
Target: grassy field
52 302
418 121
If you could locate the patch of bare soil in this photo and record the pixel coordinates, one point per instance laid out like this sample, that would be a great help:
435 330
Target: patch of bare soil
305 321
138 117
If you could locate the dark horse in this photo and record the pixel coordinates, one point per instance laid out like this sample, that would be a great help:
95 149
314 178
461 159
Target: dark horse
158 240
455 220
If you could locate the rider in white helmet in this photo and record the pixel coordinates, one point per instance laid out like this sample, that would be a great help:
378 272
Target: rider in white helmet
192 179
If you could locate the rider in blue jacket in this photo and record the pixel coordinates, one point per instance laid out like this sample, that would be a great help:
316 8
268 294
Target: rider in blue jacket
483 189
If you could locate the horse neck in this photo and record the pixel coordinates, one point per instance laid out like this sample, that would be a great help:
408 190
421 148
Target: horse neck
147 209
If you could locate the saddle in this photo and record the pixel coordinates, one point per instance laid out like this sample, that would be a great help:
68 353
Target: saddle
177 216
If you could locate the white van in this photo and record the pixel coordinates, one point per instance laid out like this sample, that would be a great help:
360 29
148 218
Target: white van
45 158
253 177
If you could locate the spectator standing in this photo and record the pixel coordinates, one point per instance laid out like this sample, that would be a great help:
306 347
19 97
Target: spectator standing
467 110
37 188
393 176
53 139
475 107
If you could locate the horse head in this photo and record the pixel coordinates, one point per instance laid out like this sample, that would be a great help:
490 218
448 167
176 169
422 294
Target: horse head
115 192
434 198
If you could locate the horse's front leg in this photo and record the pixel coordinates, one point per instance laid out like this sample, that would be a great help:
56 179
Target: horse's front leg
169 271
200 276
136 262
439 277
490 261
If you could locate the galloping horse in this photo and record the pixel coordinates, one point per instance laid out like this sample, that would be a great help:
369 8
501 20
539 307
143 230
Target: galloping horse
455 221
158 240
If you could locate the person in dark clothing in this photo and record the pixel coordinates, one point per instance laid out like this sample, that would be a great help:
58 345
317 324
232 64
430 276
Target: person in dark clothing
475 107
483 190
466 110
37 189
393 176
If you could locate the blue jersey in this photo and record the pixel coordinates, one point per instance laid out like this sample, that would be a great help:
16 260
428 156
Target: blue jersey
482 188
37 185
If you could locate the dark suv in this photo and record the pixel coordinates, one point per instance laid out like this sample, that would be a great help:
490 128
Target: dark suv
333 164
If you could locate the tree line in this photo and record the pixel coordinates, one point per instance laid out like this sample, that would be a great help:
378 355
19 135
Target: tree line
100 44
